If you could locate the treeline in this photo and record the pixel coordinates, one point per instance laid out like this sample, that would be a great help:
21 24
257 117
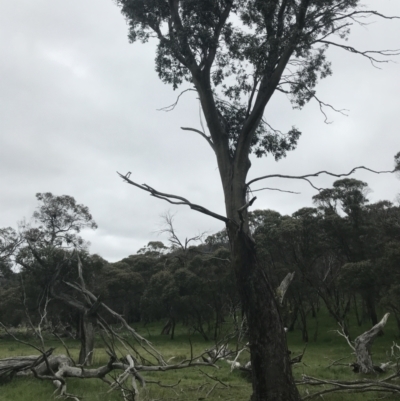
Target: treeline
345 253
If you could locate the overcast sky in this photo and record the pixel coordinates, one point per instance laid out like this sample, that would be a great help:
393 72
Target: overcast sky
78 103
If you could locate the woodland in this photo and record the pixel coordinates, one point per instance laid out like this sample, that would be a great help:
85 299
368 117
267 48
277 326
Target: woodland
249 286
338 258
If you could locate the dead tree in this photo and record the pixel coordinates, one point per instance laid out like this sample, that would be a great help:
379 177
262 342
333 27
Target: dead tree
363 344
362 347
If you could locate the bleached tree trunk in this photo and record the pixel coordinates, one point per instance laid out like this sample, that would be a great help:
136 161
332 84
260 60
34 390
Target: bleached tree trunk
363 344
283 287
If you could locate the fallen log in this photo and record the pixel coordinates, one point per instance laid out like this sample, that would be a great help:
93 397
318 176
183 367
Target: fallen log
21 364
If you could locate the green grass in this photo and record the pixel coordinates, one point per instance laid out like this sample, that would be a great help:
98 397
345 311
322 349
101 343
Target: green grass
194 385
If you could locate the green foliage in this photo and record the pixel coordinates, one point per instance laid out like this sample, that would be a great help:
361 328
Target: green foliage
359 277
60 219
238 47
9 241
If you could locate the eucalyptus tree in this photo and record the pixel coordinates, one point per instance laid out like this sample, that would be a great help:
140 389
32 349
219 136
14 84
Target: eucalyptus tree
236 54
9 242
48 255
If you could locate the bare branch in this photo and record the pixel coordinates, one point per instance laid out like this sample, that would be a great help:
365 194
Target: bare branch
336 362
369 54
342 333
359 386
214 378
306 176
368 13
323 104
275 189
143 342
169 198
207 138
173 105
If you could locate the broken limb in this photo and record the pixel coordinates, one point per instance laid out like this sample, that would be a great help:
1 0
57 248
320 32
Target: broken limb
363 344
283 287
244 208
362 348
359 386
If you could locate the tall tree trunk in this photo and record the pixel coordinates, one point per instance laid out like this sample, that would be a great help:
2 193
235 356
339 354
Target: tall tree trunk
272 378
87 327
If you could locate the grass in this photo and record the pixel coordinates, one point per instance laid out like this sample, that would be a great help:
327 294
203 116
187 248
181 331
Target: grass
195 385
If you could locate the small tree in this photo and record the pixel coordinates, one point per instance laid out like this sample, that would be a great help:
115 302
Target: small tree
236 54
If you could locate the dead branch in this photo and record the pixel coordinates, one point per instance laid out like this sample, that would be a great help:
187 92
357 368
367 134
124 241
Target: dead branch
343 334
306 177
173 237
173 199
323 104
164 385
363 344
146 345
369 54
214 378
274 189
359 386
362 348
17 364
207 138
218 381
336 362
312 94
234 364
173 105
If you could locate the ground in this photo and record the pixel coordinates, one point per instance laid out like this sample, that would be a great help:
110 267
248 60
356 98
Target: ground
194 383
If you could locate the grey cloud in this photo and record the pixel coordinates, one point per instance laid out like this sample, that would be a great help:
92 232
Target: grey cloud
78 102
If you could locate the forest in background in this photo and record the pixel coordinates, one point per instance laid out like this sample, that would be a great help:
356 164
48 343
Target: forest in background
344 253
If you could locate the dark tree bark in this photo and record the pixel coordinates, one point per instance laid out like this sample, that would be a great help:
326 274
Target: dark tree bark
271 370
371 310
169 328
87 335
